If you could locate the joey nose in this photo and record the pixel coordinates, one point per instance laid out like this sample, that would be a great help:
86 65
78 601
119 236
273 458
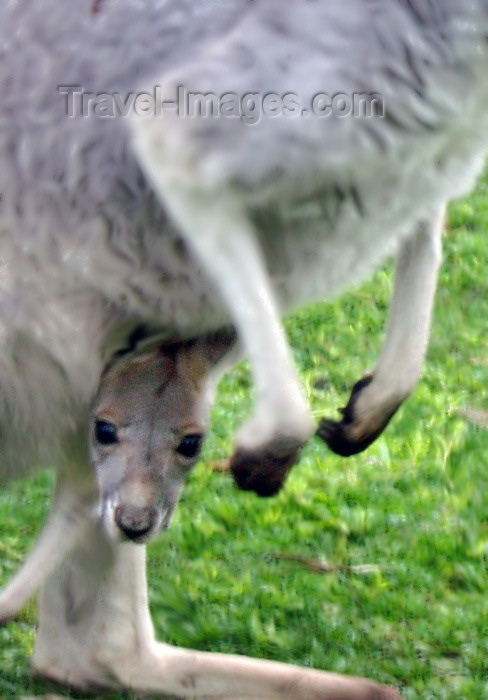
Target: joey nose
134 522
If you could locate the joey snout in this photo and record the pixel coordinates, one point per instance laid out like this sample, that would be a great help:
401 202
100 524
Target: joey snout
137 510
136 522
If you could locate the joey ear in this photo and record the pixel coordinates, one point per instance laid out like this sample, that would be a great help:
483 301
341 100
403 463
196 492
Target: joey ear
196 359
217 344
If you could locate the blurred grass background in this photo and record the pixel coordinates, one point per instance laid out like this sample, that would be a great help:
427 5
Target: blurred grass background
242 575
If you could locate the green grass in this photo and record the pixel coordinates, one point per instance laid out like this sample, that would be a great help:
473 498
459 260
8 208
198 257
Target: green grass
415 506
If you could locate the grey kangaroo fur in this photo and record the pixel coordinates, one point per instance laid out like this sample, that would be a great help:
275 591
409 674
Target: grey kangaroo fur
118 234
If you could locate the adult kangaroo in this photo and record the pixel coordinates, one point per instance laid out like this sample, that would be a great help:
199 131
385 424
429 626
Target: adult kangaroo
119 224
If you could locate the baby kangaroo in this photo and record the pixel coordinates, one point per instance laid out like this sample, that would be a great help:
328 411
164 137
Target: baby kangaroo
146 430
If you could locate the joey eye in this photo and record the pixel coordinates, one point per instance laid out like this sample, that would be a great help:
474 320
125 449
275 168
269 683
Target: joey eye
190 446
106 433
